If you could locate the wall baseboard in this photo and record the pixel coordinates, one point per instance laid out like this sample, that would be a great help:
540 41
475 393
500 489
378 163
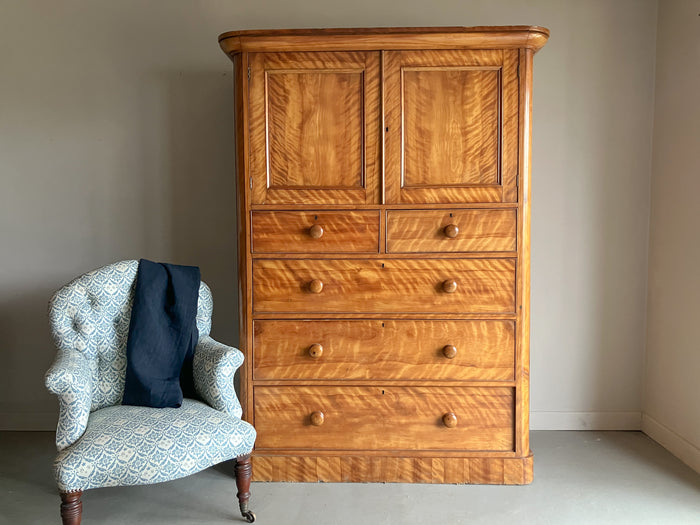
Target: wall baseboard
671 441
540 420
35 421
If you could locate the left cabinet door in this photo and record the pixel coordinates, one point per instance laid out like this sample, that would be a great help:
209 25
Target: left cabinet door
314 128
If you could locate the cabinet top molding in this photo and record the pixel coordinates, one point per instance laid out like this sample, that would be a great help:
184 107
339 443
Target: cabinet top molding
384 38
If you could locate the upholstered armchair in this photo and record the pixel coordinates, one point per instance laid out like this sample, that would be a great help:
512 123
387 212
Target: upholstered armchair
102 443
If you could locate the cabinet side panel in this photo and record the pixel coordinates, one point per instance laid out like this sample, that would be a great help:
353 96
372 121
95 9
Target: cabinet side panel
240 92
522 355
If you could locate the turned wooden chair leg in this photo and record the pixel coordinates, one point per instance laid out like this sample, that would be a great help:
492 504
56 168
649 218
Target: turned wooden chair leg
71 507
244 471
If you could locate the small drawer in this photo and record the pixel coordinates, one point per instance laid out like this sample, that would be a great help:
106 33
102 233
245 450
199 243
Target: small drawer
315 231
474 230
384 418
384 350
384 286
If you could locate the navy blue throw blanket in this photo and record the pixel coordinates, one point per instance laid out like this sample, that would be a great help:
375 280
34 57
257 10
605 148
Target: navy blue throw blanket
162 335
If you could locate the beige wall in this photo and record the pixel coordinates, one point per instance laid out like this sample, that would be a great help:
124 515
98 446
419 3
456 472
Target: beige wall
116 142
672 383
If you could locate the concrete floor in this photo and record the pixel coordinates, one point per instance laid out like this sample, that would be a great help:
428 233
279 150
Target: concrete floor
580 478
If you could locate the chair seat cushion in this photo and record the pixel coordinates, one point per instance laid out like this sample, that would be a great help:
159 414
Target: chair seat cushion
133 445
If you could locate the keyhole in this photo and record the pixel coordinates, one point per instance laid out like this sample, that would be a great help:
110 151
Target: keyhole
316 217
450 215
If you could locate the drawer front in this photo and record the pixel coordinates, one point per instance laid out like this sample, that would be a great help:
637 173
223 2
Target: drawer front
384 350
315 232
384 418
411 231
384 286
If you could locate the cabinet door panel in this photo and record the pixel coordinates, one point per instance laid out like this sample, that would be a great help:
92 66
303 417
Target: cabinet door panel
314 128
451 126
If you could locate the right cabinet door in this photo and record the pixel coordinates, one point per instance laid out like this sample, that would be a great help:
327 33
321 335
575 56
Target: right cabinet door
451 126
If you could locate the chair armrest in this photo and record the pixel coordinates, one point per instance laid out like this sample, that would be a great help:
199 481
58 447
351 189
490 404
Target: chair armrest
214 366
70 379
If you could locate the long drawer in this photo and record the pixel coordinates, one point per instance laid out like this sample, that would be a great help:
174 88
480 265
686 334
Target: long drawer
383 349
384 418
384 286
474 230
315 231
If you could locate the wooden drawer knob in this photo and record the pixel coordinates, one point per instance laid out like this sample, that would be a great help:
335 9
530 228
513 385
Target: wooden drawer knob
449 351
316 231
451 231
449 286
316 286
316 350
449 420
317 418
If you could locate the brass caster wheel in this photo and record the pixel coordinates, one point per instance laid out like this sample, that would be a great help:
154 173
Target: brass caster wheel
249 516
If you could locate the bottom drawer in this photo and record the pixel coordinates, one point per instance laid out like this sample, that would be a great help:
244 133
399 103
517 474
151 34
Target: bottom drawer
384 418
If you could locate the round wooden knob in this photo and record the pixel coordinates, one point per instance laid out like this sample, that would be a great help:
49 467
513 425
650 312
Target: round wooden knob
315 350
449 420
316 231
451 231
316 286
449 351
449 286
317 418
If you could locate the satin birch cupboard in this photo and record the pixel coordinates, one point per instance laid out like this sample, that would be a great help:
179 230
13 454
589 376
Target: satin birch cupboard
383 186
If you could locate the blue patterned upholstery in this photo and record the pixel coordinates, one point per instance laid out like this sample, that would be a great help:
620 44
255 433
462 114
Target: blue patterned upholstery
214 366
130 445
102 443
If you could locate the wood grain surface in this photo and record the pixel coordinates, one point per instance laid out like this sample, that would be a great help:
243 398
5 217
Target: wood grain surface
383 350
383 195
481 37
384 285
415 231
510 125
314 127
336 232
393 469
245 303
452 139
450 126
384 418
522 361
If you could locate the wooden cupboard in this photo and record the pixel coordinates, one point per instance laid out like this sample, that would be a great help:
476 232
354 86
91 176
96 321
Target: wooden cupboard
383 186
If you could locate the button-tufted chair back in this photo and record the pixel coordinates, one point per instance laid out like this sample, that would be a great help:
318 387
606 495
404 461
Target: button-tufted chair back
91 315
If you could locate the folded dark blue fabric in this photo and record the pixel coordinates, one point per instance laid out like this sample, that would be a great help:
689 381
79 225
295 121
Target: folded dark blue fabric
162 335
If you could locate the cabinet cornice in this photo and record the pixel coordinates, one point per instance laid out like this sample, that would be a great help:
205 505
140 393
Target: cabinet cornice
384 38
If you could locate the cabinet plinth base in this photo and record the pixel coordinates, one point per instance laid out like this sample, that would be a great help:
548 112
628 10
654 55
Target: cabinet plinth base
390 469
